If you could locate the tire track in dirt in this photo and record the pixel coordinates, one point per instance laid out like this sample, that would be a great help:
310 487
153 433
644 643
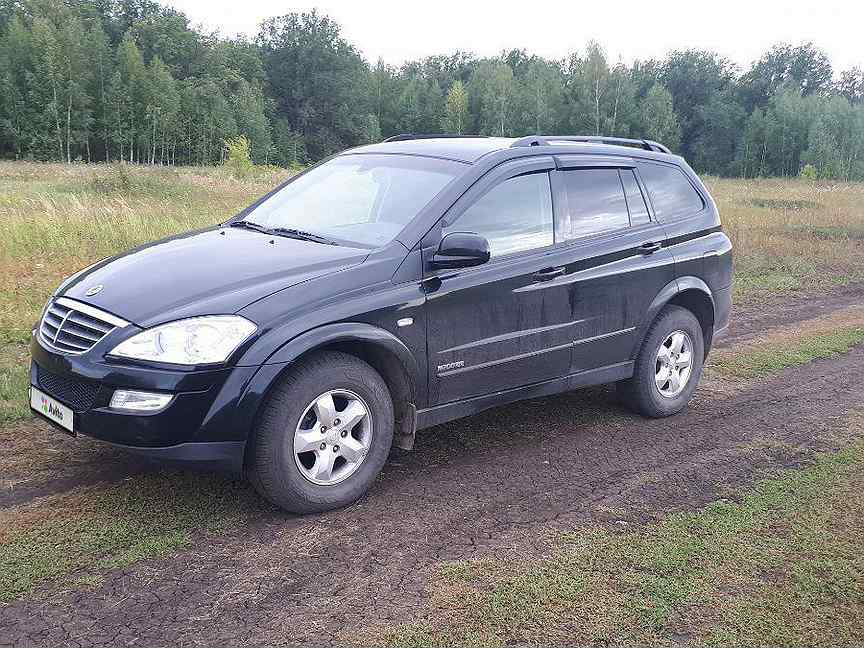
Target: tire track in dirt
497 482
784 309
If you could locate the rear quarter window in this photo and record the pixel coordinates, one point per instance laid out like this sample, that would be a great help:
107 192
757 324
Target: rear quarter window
671 193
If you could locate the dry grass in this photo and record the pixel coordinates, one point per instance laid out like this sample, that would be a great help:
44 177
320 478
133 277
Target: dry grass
33 453
792 234
59 218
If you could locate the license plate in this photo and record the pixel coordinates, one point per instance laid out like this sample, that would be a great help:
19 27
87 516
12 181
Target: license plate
51 409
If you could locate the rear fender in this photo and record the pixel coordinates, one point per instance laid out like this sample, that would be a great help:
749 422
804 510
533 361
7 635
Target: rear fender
667 294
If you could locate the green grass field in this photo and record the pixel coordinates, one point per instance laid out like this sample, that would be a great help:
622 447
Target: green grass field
791 235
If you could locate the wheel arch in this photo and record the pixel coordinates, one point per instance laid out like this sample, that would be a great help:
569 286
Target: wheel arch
382 350
688 292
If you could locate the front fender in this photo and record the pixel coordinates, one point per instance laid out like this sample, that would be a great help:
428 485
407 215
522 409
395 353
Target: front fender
267 374
346 332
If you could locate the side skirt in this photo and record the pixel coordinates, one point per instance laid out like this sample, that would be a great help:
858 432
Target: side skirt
459 409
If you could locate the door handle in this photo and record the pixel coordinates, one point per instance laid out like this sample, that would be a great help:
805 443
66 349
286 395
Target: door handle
549 273
650 248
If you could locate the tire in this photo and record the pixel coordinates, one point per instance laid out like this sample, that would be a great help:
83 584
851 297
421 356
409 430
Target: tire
642 393
298 481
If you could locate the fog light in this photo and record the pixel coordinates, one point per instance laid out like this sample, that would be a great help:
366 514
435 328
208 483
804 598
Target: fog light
139 401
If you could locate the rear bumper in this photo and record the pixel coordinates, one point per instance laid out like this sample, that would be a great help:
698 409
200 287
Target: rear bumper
722 310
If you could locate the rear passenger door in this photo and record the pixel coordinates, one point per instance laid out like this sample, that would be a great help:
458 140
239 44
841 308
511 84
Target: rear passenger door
693 228
617 262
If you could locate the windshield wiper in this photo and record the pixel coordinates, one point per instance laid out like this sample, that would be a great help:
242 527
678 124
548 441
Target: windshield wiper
287 232
304 236
258 227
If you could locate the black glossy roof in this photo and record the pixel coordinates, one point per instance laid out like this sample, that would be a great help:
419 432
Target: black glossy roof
470 149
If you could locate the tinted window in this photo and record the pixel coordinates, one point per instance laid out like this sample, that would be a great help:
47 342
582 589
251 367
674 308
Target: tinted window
671 192
635 199
366 199
515 215
595 201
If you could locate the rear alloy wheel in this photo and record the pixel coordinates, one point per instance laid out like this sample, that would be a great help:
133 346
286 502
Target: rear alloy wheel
674 364
323 435
668 367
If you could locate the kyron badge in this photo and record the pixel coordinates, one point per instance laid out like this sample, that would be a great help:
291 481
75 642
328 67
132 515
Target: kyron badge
94 290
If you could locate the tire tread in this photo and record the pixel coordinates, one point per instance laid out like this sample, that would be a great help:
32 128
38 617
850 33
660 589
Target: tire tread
268 472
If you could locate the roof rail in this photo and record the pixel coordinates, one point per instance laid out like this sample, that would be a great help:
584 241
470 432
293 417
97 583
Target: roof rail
415 136
545 140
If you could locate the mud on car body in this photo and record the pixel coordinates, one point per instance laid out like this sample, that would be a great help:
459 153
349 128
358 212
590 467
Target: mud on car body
385 290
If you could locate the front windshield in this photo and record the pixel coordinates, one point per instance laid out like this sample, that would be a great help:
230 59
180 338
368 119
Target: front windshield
365 199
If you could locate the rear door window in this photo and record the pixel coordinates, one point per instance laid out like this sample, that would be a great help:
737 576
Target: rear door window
671 193
595 203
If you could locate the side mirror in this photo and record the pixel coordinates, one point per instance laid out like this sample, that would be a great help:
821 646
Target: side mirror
461 250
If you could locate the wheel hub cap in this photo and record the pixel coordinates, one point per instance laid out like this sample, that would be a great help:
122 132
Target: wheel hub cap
674 364
333 437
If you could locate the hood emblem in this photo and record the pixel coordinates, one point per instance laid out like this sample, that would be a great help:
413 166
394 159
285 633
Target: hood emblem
94 290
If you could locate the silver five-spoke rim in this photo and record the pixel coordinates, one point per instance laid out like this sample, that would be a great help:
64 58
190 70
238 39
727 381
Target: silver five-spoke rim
674 364
333 437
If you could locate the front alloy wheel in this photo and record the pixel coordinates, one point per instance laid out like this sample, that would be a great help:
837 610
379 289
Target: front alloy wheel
323 434
333 437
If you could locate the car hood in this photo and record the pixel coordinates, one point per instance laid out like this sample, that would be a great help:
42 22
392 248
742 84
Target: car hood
213 271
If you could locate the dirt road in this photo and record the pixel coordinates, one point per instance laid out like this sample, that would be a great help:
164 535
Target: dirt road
498 482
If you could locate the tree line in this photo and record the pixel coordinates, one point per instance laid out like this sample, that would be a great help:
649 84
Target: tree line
109 80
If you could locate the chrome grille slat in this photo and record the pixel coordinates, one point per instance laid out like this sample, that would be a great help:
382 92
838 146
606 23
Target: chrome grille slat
60 308
74 327
71 345
89 322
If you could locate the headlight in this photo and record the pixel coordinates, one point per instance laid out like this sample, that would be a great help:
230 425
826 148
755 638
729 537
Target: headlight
199 340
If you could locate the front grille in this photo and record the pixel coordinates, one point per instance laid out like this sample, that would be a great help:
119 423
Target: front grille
74 327
78 393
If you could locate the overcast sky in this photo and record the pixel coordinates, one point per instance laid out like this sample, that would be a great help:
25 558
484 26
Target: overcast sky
398 31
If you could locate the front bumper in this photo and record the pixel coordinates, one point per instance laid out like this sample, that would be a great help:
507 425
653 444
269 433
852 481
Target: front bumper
202 424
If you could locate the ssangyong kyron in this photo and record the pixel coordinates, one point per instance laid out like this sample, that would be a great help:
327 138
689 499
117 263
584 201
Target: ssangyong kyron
388 289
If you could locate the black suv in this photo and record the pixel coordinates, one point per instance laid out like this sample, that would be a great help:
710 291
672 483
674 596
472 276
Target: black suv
387 289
